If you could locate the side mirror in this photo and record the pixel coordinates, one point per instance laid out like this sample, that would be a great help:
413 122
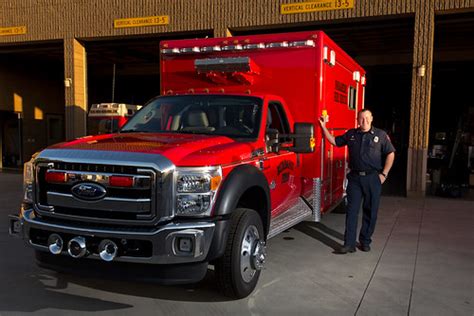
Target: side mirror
303 138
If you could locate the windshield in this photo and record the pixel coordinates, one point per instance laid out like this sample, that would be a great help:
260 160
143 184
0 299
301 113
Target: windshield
232 116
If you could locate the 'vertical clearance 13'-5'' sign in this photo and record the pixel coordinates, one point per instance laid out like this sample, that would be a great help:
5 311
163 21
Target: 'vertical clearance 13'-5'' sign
317 5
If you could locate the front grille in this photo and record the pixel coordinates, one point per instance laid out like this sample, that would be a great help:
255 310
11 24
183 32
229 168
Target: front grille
131 205
95 168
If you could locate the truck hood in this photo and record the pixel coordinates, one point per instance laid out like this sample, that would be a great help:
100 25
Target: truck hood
182 149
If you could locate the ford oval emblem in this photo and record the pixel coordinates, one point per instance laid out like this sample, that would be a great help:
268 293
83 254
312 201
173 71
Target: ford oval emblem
88 191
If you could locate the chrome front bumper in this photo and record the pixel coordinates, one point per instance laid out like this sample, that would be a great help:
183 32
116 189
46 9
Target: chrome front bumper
164 239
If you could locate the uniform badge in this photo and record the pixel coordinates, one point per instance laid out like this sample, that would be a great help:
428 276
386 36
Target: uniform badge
376 139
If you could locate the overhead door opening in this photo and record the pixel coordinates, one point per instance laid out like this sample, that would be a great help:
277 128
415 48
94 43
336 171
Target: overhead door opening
31 100
451 141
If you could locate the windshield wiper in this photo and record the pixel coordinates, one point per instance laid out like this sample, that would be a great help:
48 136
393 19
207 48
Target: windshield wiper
194 132
128 131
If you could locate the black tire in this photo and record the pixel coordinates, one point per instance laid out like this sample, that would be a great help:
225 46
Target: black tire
228 268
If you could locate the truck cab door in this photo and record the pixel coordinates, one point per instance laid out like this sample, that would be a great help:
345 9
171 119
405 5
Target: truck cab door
280 168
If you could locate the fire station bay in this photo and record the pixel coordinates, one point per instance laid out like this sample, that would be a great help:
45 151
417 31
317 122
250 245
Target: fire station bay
75 68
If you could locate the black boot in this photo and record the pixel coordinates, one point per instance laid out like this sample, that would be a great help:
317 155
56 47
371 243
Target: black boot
345 249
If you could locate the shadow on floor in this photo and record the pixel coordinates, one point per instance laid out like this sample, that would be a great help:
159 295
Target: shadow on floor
322 233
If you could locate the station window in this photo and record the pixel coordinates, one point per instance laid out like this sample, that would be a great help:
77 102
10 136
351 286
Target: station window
352 98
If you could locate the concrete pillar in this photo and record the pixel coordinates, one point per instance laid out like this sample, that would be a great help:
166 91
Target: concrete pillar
420 98
75 82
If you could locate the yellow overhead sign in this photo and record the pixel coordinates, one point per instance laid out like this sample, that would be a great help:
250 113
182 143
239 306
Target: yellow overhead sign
143 21
316 5
14 30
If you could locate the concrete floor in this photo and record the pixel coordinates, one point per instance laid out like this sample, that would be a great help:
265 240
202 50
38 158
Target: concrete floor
421 263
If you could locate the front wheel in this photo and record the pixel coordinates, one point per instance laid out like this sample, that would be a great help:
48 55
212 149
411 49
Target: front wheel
239 268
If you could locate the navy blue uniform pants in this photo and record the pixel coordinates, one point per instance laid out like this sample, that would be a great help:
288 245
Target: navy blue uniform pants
360 189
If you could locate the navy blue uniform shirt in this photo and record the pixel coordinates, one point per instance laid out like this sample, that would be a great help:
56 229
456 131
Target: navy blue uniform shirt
366 149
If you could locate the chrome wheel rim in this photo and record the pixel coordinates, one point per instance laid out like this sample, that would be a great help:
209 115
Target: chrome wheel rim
252 253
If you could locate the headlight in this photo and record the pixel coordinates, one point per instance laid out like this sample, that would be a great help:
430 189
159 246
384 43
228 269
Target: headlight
28 178
196 190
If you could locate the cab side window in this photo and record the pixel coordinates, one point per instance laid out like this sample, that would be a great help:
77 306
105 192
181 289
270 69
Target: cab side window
276 118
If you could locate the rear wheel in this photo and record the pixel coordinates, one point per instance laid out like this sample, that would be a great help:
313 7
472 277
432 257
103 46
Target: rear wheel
239 268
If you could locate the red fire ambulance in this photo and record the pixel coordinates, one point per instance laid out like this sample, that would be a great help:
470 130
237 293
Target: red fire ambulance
227 157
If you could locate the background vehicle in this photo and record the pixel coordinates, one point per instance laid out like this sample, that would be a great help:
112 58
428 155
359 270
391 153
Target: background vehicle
106 118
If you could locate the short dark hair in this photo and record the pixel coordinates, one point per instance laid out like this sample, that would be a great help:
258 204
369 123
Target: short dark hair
363 111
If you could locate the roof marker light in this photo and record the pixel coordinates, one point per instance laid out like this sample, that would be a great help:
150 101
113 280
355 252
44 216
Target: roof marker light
209 49
332 60
194 49
170 51
309 43
356 76
362 80
254 46
325 54
206 49
329 56
277 45
232 47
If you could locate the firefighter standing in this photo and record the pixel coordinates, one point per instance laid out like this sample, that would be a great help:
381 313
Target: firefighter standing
367 147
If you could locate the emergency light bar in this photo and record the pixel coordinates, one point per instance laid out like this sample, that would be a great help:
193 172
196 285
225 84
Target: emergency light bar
237 47
234 64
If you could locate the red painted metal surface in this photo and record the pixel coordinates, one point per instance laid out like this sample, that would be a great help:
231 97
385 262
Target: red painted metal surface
182 149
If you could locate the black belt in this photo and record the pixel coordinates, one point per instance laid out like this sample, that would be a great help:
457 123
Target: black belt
363 173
